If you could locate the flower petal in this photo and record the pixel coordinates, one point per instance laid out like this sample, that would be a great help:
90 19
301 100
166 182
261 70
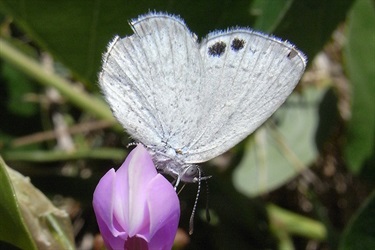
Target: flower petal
136 243
136 206
164 208
131 181
142 170
102 204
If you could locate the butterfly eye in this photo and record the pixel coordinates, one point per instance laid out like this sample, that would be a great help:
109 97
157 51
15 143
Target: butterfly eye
190 174
192 171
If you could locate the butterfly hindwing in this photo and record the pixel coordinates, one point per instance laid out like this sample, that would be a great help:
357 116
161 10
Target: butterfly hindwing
250 75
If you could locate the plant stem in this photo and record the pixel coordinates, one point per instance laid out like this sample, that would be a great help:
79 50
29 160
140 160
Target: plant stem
59 155
33 69
294 224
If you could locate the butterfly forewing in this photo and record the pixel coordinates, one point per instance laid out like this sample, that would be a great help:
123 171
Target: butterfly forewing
152 81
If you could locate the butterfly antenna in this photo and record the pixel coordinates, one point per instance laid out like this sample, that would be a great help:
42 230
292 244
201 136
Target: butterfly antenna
179 191
191 222
132 144
208 217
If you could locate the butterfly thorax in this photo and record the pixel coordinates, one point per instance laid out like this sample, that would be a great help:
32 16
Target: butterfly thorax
170 162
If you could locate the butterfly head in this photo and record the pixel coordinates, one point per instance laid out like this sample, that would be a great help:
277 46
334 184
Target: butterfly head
187 173
190 173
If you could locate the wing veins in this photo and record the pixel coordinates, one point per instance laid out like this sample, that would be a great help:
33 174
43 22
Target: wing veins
138 92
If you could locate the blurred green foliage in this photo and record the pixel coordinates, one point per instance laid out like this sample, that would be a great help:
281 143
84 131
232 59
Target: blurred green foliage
328 124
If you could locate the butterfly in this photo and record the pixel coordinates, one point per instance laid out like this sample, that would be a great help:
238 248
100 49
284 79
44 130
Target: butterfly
189 101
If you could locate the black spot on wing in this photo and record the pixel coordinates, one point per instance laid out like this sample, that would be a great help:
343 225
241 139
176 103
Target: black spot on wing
237 44
217 49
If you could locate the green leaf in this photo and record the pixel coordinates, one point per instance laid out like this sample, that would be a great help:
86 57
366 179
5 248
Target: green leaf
276 154
77 32
360 232
309 24
270 13
17 86
30 221
13 228
360 56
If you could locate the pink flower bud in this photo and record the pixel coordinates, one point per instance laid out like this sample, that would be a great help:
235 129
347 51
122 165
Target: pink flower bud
135 207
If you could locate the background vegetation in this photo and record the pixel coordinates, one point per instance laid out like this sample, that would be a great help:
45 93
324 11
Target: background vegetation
304 180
